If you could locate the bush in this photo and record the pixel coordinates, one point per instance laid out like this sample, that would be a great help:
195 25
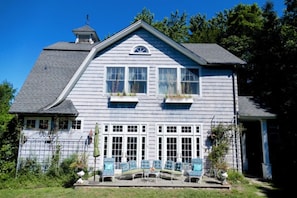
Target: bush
235 177
30 175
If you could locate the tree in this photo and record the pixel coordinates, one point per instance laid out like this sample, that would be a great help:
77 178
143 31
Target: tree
6 96
8 134
199 28
145 15
290 16
207 31
242 23
266 59
174 27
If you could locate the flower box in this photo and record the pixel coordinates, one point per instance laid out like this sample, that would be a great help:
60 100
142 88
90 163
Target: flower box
130 99
182 100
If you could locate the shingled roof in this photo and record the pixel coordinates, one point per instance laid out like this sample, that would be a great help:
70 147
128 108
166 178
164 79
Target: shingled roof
51 73
213 54
249 108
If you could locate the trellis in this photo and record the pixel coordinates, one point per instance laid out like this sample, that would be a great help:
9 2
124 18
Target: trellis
42 150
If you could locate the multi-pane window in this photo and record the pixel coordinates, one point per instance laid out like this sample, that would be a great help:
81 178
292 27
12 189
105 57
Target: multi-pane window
30 124
124 141
197 129
131 148
178 81
189 81
143 147
43 124
160 129
140 49
144 129
167 81
63 124
186 153
137 80
115 79
171 148
116 150
186 129
105 147
198 147
171 129
160 148
132 128
76 124
117 128
181 142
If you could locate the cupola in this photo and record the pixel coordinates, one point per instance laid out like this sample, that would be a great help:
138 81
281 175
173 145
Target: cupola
85 34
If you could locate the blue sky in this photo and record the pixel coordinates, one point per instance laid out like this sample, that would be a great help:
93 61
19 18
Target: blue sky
27 26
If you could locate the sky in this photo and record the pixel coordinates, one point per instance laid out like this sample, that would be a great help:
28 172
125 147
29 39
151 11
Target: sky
27 26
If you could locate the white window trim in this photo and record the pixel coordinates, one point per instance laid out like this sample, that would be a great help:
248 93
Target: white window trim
125 127
179 135
178 80
132 51
139 134
126 80
81 124
37 121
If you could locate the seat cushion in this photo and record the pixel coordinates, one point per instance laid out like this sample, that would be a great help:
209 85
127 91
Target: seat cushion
197 167
108 166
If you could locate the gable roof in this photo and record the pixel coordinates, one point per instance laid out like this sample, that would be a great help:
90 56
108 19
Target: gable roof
249 109
60 66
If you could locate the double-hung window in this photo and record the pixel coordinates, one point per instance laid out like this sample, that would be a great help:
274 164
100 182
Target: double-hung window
189 81
115 79
137 80
178 81
167 80
126 80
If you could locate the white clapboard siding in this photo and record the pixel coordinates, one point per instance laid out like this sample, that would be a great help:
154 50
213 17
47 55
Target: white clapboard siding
91 101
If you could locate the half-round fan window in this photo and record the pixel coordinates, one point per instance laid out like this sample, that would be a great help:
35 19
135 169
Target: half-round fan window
140 49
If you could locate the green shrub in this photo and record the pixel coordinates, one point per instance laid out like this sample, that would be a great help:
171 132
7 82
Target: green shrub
30 174
235 177
29 166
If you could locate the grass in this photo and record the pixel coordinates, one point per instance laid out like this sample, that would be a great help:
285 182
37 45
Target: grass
247 189
122 192
40 185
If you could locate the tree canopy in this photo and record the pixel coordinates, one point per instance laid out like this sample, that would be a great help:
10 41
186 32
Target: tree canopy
268 43
8 134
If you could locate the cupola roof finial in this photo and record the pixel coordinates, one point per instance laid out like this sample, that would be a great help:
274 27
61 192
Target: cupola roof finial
87 19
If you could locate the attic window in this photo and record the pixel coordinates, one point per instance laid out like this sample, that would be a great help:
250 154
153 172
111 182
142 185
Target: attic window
140 49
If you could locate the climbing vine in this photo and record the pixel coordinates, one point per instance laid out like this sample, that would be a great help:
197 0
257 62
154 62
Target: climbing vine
220 140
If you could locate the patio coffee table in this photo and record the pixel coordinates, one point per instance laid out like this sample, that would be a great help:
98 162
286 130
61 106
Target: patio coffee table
151 173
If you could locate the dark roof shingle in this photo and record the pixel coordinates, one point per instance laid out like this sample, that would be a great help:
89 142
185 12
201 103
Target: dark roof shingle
250 108
52 71
213 53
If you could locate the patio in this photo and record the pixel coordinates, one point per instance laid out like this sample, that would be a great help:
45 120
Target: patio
151 182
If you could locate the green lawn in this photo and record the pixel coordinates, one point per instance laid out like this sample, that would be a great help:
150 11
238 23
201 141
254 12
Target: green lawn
242 190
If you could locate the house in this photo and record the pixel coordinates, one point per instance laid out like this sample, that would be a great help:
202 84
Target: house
153 98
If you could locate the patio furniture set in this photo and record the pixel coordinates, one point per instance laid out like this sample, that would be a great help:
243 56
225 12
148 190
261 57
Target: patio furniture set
149 171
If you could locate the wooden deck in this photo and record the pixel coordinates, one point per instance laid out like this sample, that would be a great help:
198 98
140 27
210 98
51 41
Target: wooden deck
206 183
